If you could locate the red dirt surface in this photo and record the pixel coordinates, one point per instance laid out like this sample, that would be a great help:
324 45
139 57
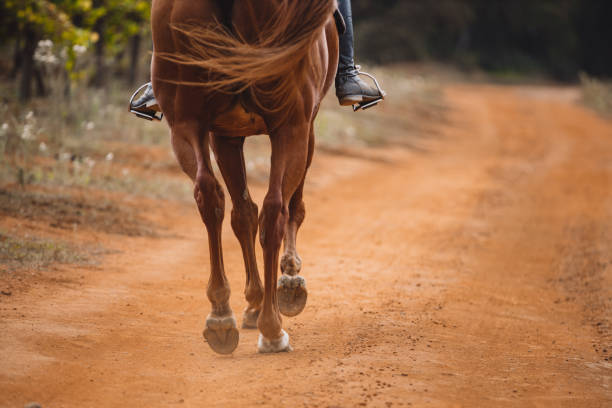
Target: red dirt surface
475 272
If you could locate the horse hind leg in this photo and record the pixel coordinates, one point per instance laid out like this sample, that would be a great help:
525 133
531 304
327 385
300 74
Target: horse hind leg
220 332
291 288
289 156
230 158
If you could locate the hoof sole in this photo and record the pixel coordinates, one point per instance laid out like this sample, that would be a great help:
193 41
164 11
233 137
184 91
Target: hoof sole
274 346
221 334
249 319
292 295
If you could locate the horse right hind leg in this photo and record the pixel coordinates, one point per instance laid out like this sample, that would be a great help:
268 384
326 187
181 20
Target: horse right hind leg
291 289
191 142
230 158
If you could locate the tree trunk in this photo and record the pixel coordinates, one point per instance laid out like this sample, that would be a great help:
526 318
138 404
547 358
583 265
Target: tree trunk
41 89
100 74
27 65
134 58
16 58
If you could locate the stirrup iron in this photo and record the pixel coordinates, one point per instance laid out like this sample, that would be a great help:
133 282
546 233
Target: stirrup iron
369 104
144 112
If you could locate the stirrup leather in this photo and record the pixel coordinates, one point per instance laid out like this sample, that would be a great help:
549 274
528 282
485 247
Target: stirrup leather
144 112
369 104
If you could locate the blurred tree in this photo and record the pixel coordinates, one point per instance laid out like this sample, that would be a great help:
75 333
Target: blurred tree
593 22
28 21
118 24
108 24
556 37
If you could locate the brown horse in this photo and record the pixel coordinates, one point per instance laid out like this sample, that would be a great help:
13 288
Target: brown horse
223 70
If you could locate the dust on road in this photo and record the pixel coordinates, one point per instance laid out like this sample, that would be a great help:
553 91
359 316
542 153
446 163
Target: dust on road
475 272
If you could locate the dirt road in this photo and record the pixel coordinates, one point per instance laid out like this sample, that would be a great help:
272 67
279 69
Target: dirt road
476 271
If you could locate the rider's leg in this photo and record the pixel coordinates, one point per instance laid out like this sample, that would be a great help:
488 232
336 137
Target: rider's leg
146 101
350 89
346 63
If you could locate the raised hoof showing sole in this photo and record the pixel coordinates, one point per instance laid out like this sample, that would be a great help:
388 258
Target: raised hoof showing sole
292 294
274 346
221 334
249 319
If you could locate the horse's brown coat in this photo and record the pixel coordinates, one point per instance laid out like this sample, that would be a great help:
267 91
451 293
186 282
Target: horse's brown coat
216 87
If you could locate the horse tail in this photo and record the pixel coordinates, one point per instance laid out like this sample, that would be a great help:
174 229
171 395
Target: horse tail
269 66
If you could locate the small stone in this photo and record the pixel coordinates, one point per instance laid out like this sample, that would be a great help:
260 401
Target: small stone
32 405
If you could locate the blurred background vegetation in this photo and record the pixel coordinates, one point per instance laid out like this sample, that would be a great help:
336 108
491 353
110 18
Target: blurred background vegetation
72 156
559 38
92 42
67 69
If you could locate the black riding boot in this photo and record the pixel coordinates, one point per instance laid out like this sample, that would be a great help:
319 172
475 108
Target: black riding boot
350 89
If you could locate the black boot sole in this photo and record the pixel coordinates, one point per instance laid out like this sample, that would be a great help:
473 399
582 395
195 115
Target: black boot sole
356 99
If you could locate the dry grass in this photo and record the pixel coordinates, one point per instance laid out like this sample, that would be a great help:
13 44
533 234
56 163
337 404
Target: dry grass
413 105
33 253
596 94
71 212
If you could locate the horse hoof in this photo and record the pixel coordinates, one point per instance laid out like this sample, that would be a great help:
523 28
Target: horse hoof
221 333
292 294
290 264
274 346
249 318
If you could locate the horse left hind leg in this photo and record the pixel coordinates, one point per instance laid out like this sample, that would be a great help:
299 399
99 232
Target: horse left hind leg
192 142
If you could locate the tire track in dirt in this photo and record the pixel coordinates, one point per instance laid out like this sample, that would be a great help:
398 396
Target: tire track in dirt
452 276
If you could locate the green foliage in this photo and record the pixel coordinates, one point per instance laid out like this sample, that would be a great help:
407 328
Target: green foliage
47 19
119 19
72 26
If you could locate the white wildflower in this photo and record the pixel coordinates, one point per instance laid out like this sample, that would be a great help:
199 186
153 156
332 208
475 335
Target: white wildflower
44 53
79 49
90 125
110 156
5 127
89 162
65 156
42 147
125 172
30 115
28 133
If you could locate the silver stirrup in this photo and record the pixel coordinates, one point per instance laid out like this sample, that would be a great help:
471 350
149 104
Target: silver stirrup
369 104
145 112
